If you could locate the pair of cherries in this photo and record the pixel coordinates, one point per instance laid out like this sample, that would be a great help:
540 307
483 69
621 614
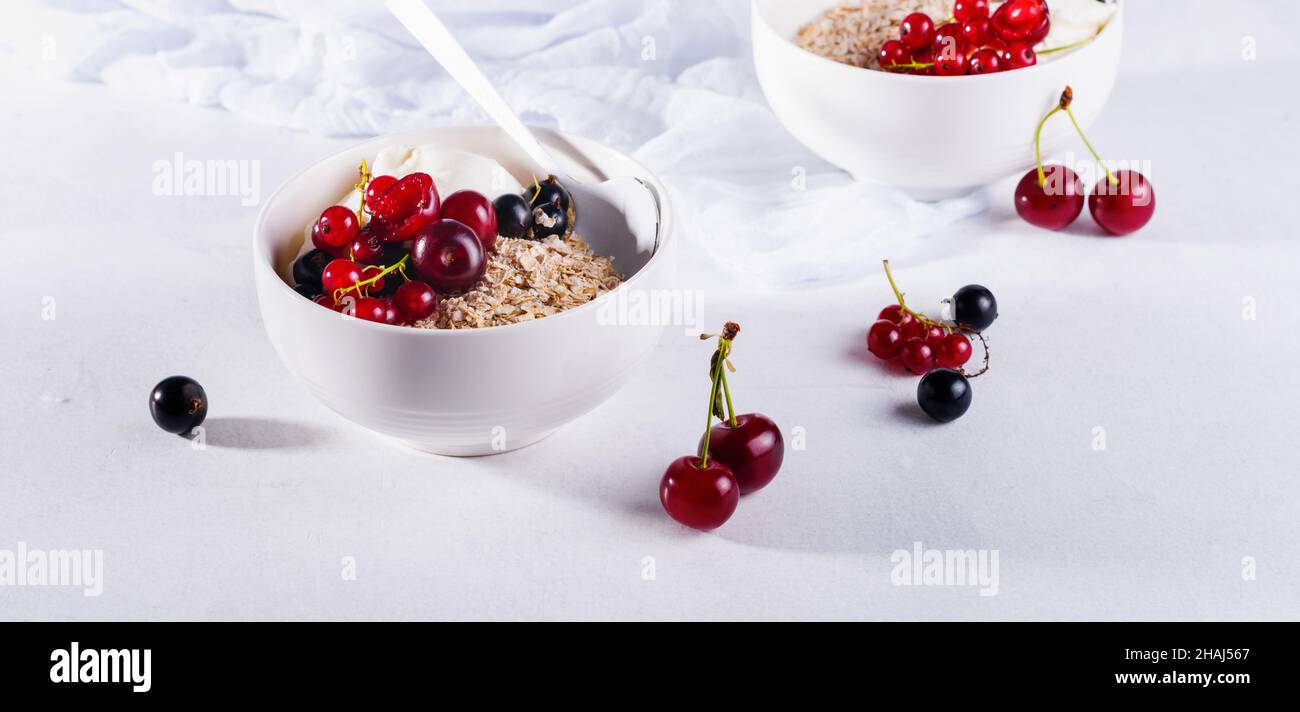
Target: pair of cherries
1052 197
739 455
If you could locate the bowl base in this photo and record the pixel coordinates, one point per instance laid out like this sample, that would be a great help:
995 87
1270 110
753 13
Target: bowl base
478 449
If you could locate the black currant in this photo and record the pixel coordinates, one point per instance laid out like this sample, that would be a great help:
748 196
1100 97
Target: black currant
548 193
974 306
310 291
307 269
549 220
178 404
944 394
514 217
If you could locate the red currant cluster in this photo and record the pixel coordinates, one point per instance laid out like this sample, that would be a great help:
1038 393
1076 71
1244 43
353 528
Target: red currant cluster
362 257
970 42
936 350
1051 196
738 455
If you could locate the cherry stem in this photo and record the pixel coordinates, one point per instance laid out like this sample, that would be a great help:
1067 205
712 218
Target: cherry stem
1113 180
399 265
903 304
726 392
364 170
1072 45
708 424
1038 153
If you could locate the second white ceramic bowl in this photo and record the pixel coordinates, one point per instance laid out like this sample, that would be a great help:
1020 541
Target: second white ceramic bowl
931 137
459 392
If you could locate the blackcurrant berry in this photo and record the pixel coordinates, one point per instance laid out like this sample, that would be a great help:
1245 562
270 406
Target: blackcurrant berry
514 217
308 290
307 269
974 306
548 193
178 404
944 394
549 220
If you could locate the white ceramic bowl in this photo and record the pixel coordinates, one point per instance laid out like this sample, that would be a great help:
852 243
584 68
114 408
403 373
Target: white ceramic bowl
931 137
461 392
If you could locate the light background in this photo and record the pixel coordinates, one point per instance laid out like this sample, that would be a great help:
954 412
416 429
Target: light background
1145 337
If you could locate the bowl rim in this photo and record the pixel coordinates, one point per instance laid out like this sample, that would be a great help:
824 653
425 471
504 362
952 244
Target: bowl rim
1106 29
262 265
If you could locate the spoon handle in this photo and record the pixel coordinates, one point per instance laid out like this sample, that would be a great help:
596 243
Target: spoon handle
425 26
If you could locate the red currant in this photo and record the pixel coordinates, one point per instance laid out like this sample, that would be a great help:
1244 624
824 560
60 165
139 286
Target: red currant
474 210
415 301
914 330
1017 20
975 32
1054 204
896 314
326 301
917 356
884 339
699 497
1019 56
950 63
893 53
917 31
965 10
985 61
400 212
953 351
375 309
1124 207
336 227
339 278
934 335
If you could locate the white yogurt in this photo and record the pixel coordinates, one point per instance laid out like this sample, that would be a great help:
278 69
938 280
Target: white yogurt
1074 21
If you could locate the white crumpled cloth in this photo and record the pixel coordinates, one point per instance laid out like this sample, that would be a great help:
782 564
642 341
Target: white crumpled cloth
669 81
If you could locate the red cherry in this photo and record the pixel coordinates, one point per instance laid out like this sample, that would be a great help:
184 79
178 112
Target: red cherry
753 449
884 339
407 207
336 227
368 248
953 351
375 309
917 31
449 256
1039 34
339 278
474 210
965 10
1016 20
975 32
1019 56
1123 208
917 356
376 187
1053 205
415 301
985 61
701 498
893 53
896 314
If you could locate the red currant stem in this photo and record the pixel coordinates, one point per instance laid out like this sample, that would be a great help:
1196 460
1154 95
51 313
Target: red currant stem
911 65
364 170
399 265
903 304
726 392
1109 175
985 368
708 424
1038 153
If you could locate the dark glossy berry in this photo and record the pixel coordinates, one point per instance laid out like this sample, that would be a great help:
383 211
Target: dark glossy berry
944 394
549 220
449 256
1124 207
308 268
178 404
308 290
974 306
514 217
753 449
1054 204
701 498
548 193
475 211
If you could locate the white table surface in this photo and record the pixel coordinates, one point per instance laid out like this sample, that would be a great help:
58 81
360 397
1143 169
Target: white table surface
1142 336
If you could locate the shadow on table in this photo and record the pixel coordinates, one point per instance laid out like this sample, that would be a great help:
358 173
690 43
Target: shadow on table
259 433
